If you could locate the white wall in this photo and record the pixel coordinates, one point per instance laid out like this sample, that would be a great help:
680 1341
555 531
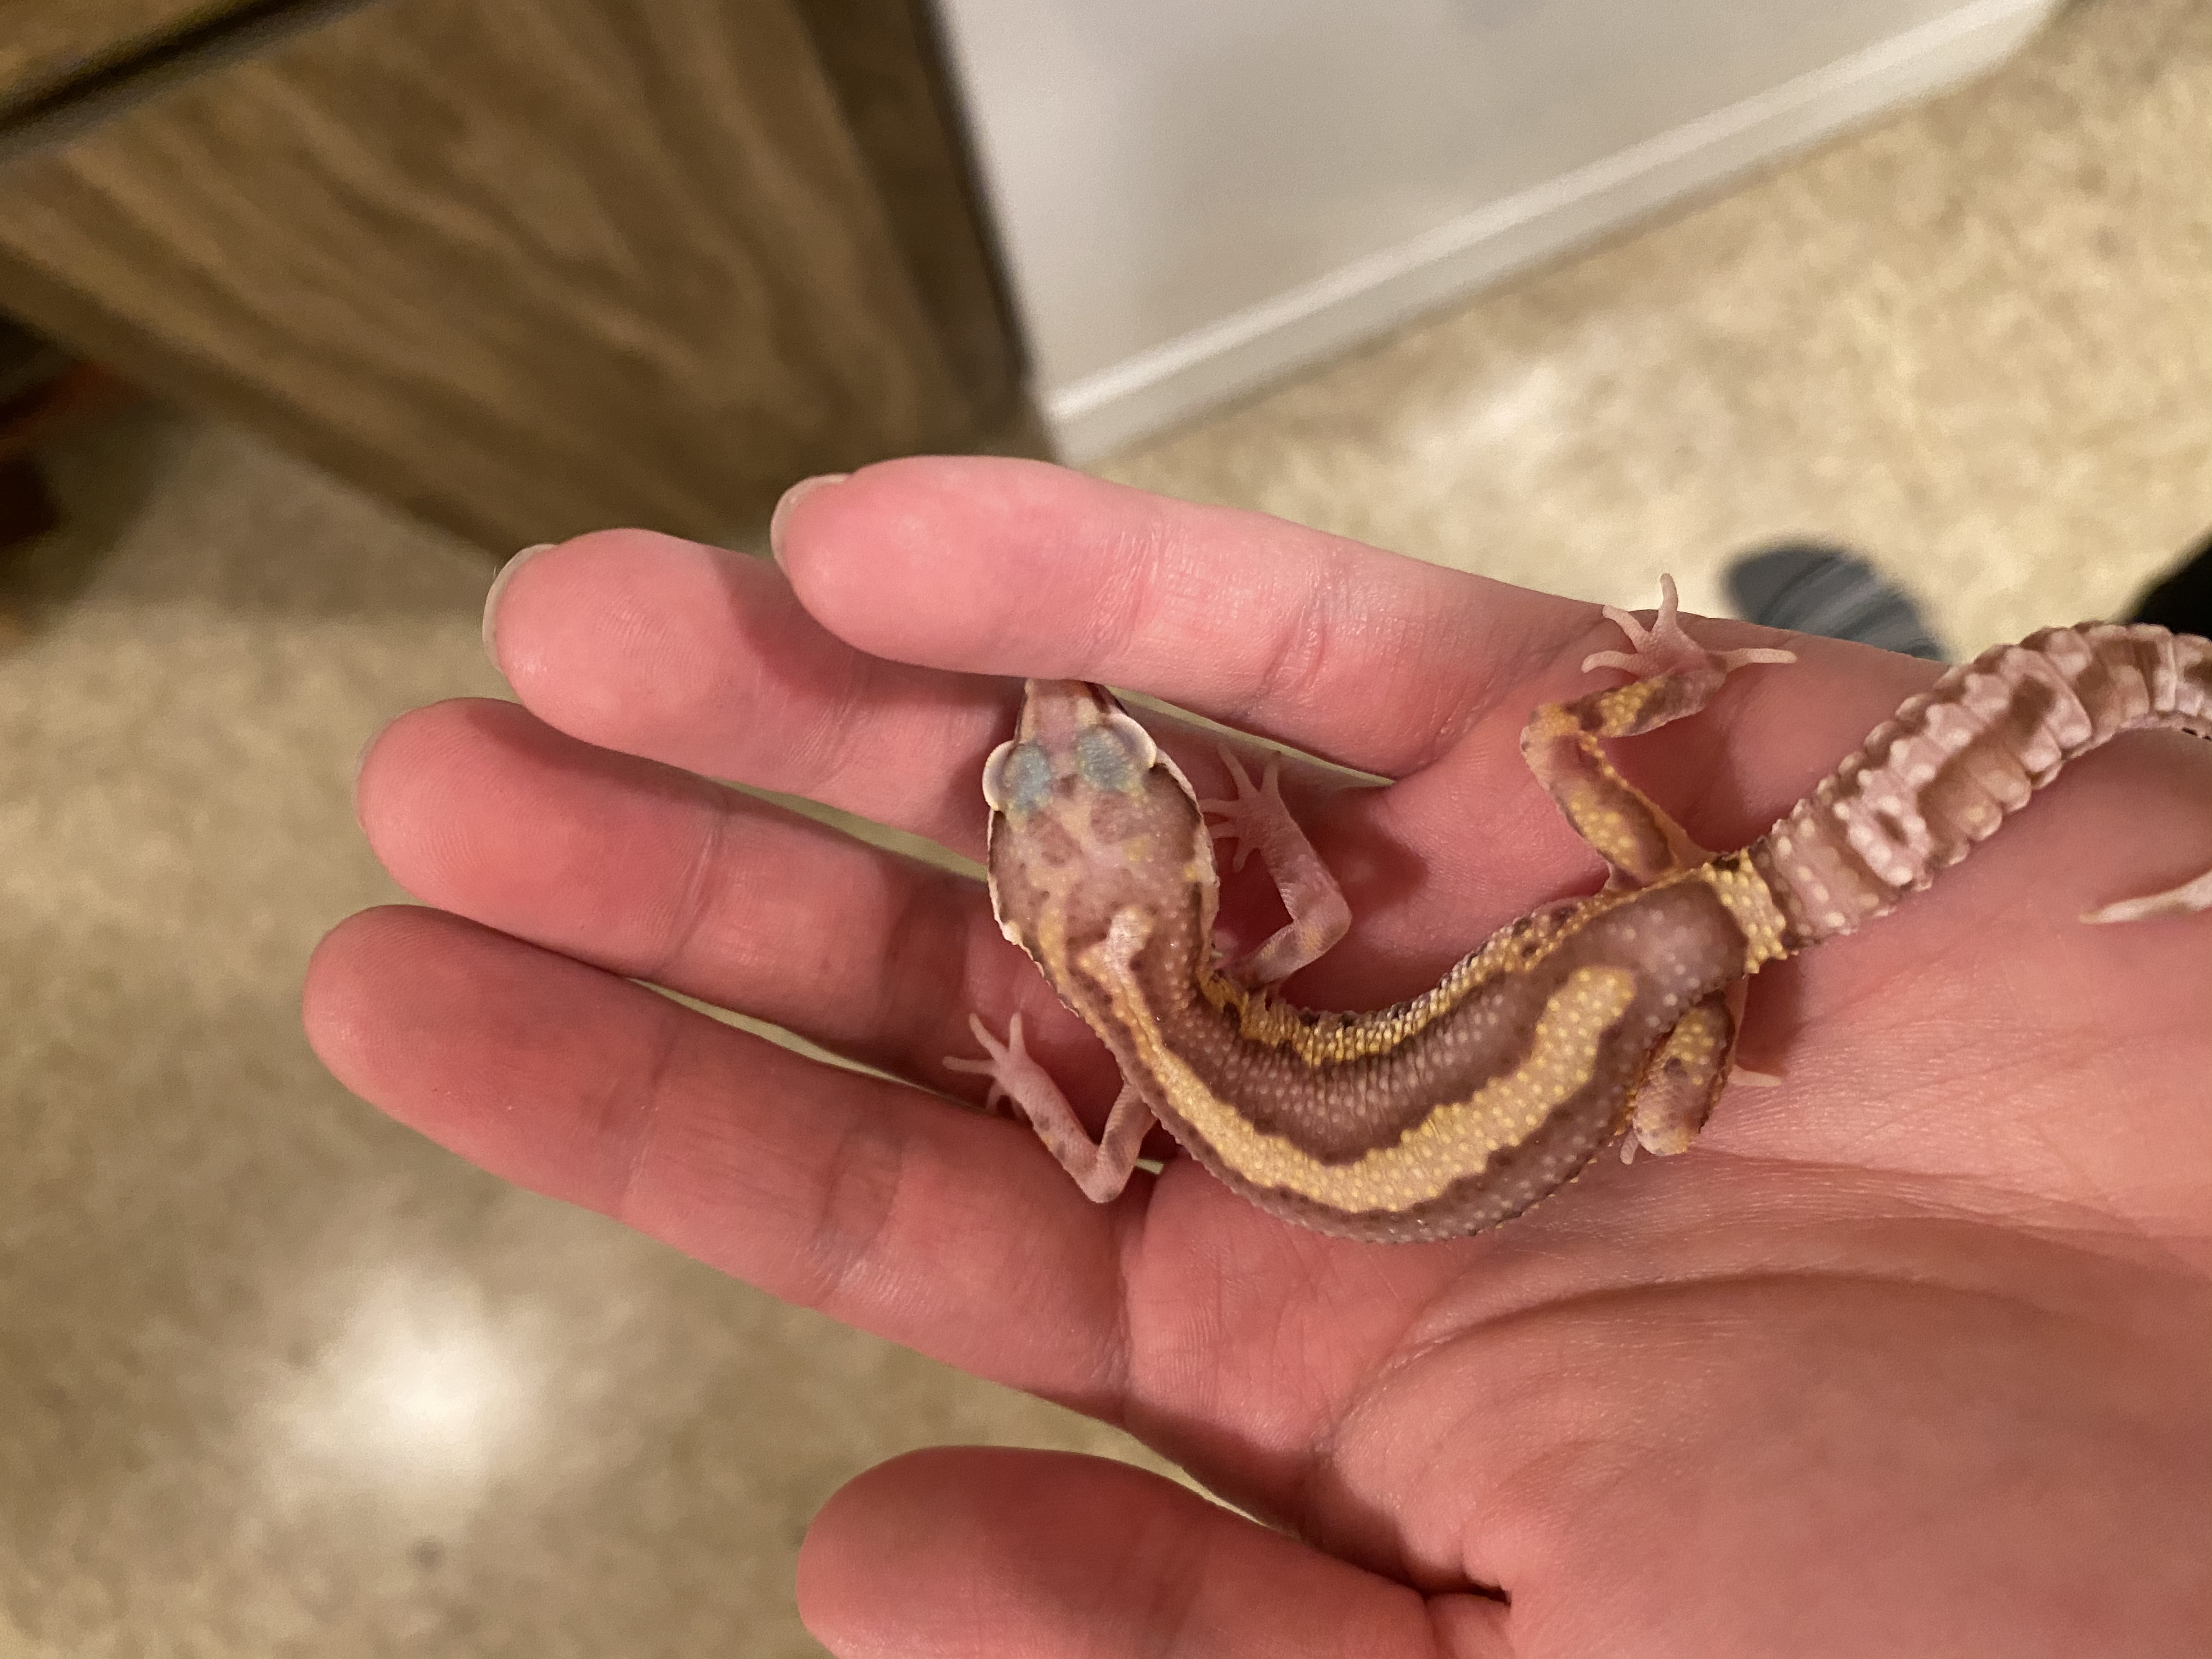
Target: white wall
1196 196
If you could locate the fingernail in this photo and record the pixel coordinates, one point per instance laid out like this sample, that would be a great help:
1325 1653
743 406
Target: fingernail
792 497
498 586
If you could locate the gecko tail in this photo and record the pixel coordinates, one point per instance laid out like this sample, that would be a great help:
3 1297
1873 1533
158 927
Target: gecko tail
1956 761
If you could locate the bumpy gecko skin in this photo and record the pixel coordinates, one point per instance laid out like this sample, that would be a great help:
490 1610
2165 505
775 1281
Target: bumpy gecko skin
1461 1108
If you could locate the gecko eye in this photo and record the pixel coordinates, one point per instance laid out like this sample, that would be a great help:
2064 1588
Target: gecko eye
1115 755
1018 778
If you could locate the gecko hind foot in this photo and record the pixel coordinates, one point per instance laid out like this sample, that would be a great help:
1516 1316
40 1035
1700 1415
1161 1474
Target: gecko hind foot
1664 649
2189 897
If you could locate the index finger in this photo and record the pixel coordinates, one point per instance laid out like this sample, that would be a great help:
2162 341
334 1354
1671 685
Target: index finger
985 564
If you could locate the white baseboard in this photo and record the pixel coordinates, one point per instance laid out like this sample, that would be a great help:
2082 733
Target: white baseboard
1175 381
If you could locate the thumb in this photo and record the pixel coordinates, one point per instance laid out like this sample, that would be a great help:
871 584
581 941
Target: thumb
968 1552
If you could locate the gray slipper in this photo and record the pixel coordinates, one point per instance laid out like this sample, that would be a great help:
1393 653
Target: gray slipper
1829 590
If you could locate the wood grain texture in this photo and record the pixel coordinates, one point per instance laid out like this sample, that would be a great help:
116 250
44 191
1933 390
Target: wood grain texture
527 266
42 42
99 83
886 67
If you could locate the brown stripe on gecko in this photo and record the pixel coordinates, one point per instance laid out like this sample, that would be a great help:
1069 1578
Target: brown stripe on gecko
1820 882
1624 830
1988 777
1319 1038
2137 691
2199 675
1514 1054
2093 679
1510 1179
1499 1103
2118 676
1465 1105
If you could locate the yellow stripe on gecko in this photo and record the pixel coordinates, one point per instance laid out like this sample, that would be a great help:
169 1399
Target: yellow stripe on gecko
1456 1139
1460 1108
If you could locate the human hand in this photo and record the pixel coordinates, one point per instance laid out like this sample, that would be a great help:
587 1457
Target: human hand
1909 1355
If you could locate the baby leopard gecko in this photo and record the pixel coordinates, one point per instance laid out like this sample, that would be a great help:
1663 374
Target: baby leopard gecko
1461 1108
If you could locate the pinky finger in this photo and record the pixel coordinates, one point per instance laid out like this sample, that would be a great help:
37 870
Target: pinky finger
962 1553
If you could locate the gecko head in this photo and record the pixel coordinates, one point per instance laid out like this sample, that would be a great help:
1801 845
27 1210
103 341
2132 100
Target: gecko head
1090 818
1073 739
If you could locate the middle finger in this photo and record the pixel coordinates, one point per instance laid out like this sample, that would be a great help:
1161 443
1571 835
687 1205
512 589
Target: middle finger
477 808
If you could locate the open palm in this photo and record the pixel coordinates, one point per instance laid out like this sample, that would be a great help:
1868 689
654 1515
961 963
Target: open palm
1910 1355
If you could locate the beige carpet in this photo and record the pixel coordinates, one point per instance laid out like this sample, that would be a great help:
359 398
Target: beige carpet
1975 341
278 1378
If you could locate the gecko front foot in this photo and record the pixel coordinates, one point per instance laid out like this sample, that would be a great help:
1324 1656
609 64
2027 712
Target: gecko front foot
1255 814
1000 1061
1101 1167
1257 821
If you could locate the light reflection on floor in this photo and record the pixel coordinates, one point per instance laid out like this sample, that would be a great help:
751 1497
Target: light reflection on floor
423 1399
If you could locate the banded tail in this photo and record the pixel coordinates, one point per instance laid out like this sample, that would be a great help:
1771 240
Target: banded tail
1954 763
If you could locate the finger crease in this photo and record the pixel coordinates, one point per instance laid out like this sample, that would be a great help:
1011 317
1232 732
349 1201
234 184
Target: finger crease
1125 598
702 885
824 744
1298 655
650 1088
861 1183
